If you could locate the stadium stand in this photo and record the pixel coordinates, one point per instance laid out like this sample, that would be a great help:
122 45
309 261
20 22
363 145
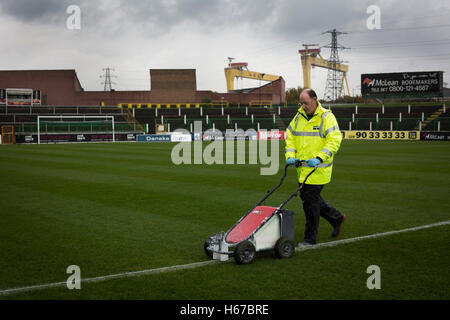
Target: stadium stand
24 118
137 118
361 118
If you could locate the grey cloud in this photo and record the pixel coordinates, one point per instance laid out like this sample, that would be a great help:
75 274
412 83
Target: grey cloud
202 11
36 10
278 18
157 17
311 18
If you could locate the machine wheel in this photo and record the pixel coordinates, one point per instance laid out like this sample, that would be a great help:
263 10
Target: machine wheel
209 253
284 248
244 253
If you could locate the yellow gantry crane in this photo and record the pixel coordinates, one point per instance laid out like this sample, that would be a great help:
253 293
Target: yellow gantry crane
240 70
311 57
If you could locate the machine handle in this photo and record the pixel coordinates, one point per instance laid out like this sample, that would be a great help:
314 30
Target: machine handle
293 194
298 163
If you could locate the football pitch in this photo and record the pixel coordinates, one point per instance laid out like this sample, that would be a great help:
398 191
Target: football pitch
119 209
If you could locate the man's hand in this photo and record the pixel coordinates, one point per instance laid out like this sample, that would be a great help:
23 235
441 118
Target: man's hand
313 162
290 161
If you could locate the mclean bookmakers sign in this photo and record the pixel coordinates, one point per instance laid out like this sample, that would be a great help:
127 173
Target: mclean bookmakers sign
402 84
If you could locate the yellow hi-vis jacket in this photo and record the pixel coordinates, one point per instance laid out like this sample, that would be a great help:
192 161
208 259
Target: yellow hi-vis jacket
317 137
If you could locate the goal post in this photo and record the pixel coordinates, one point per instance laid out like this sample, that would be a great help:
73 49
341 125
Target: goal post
75 124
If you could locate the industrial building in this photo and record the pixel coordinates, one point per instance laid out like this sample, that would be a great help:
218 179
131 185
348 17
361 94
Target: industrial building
168 86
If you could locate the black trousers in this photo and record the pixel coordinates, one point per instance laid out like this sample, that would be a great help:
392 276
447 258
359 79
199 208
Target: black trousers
315 207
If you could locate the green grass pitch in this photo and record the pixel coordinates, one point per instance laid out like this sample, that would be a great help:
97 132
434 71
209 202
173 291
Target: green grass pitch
114 208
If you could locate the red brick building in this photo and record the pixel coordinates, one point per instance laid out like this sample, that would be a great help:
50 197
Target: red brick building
62 87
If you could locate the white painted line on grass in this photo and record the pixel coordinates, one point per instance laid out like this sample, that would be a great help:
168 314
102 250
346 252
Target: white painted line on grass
372 236
208 262
108 277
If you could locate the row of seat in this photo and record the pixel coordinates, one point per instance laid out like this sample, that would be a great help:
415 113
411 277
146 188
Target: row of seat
243 111
229 117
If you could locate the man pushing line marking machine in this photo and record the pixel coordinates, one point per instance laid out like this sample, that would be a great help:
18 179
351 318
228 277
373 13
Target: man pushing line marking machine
313 135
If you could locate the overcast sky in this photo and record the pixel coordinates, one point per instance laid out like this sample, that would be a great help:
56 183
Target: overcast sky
133 36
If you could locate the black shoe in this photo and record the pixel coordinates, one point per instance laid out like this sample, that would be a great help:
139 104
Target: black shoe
338 228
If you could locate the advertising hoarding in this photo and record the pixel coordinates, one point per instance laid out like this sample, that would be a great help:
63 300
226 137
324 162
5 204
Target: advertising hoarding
402 84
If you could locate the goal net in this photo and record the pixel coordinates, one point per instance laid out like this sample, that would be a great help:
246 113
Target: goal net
49 127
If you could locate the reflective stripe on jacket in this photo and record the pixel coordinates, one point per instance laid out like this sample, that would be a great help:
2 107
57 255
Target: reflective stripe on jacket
317 137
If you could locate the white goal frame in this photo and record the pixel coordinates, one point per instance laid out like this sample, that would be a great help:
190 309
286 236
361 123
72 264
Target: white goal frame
61 117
